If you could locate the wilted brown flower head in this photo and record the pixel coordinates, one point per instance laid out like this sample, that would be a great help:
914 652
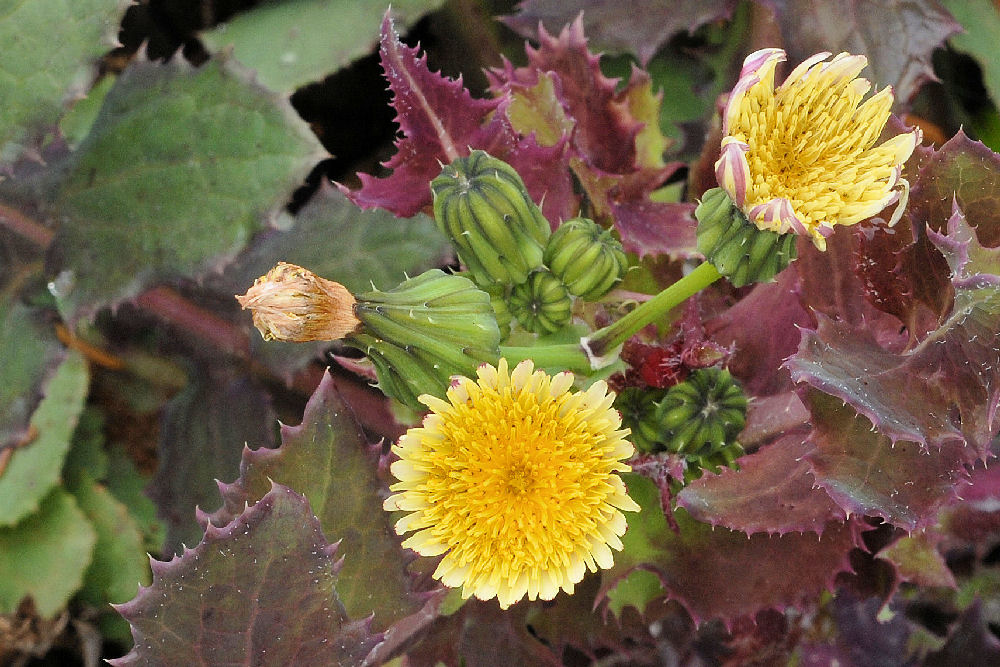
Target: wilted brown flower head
294 304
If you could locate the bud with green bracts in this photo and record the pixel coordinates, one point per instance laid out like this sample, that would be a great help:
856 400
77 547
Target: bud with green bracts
586 257
740 250
638 407
702 415
482 206
541 304
423 331
498 299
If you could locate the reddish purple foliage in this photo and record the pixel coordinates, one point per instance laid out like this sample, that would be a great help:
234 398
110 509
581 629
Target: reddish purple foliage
719 573
260 588
772 492
641 30
440 121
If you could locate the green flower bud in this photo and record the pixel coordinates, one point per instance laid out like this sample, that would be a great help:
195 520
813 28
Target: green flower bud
498 299
740 250
482 206
638 408
541 304
425 330
586 257
702 415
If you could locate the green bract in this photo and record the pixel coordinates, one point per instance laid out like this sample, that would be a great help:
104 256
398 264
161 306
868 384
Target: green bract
542 304
741 251
587 258
482 206
638 407
703 415
425 330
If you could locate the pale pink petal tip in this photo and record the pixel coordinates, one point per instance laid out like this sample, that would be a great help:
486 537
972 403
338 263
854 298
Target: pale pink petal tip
777 215
756 60
732 171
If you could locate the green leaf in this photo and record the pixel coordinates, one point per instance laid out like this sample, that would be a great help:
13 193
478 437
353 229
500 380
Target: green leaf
49 49
328 459
918 560
119 563
294 42
76 124
35 468
980 20
181 167
87 455
128 486
31 355
637 590
45 555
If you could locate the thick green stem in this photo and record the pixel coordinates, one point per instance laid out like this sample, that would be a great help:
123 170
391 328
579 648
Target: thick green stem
569 356
594 352
606 340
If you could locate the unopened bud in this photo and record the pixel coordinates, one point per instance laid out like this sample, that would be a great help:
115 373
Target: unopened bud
587 258
482 206
425 330
290 303
638 407
703 415
541 304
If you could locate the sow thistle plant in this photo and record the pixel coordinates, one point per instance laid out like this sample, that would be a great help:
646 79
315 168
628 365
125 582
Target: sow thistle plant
513 477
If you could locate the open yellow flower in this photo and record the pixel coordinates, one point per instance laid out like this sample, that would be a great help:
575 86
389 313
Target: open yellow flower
513 479
802 157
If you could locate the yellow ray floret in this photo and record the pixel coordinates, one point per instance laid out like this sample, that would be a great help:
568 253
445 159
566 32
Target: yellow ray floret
514 479
801 157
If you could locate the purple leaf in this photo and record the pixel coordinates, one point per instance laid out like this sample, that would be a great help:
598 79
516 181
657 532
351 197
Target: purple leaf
653 228
719 573
864 638
976 518
868 474
898 36
967 171
605 131
772 492
971 642
771 416
440 121
481 634
953 373
830 284
328 460
763 327
572 623
617 146
902 277
641 30
261 590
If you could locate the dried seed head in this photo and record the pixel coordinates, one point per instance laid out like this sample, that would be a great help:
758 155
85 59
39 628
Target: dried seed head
294 304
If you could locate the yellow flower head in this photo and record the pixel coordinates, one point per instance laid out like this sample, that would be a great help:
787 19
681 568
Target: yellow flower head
802 157
513 480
